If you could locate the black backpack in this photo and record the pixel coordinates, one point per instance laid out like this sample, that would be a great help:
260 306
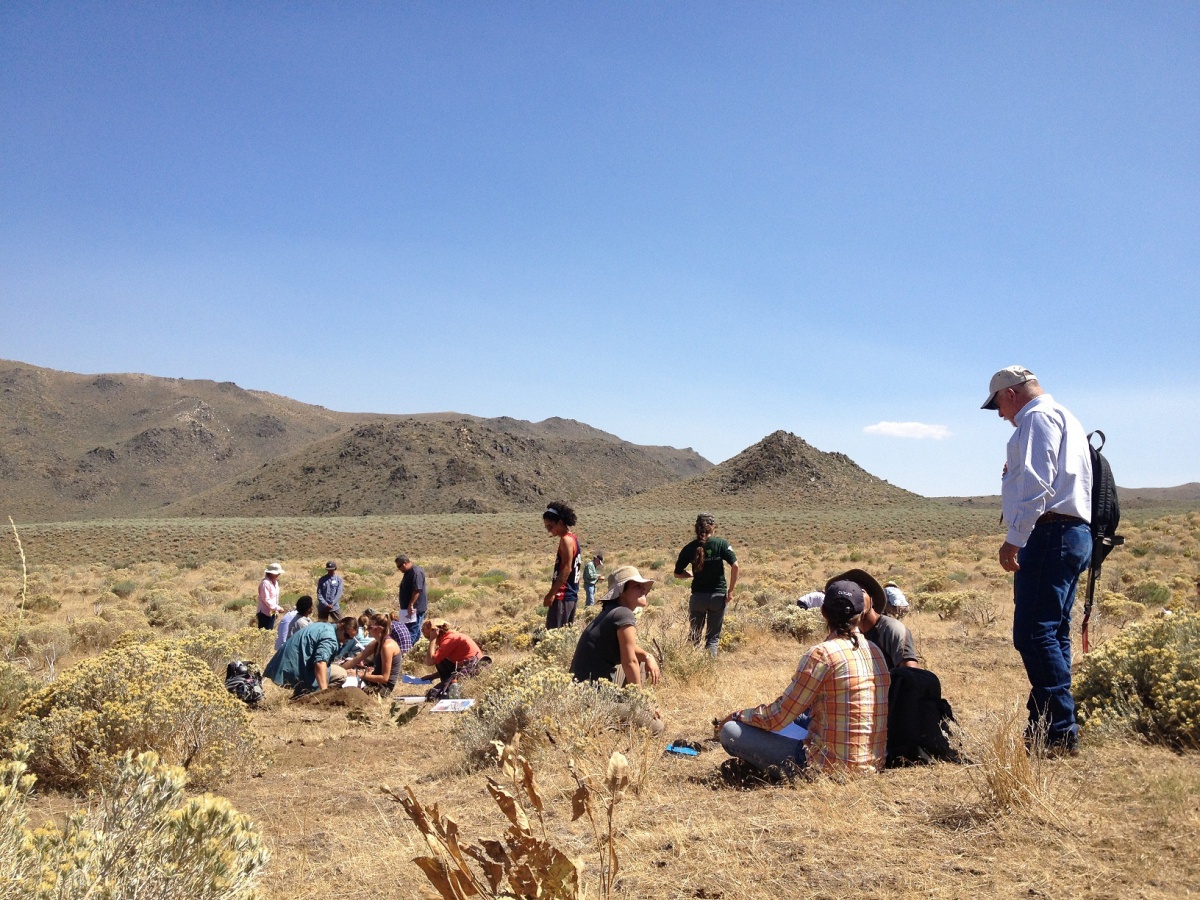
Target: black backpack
918 720
1106 517
1106 508
243 680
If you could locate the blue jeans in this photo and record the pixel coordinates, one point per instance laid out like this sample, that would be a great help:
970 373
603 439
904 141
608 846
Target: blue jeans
707 614
762 749
590 591
414 628
1044 593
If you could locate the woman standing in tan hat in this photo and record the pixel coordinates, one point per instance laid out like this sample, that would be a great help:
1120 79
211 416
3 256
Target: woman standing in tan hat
608 647
268 597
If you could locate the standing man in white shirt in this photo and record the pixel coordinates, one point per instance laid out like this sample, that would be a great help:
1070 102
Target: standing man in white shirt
1047 500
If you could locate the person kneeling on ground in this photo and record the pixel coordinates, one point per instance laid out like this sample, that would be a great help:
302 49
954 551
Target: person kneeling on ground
305 662
384 654
452 654
608 647
844 681
347 635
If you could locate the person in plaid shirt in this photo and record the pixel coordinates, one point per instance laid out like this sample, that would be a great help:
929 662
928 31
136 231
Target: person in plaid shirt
843 682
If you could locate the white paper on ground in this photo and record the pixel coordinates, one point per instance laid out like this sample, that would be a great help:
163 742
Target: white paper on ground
453 705
408 699
351 681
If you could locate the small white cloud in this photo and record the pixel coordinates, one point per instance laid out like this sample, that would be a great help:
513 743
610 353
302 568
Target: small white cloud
918 430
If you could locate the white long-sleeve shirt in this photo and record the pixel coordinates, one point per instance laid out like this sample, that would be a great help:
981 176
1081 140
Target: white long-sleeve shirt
1049 468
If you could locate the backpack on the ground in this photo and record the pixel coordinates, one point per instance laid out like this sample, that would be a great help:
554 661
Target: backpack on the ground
244 681
1106 518
919 719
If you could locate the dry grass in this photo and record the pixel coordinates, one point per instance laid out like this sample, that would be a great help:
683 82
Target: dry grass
1120 821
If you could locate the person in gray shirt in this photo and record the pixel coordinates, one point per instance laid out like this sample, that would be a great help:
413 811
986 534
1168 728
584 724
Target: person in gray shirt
890 635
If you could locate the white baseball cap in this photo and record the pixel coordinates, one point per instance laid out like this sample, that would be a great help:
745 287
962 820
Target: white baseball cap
1006 378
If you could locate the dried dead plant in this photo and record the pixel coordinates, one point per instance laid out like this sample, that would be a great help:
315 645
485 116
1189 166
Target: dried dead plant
520 866
583 803
24 585
1010 777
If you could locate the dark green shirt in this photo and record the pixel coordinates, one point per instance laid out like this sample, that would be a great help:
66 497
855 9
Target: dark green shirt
711 578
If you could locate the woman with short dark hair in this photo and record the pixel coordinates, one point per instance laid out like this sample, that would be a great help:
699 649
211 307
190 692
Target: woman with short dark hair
560 601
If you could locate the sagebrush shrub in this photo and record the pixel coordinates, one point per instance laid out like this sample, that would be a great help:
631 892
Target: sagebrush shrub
144 838
538 697
168 610
948 604
802 624
1150 593
15 685
154 696
1145 680
124 589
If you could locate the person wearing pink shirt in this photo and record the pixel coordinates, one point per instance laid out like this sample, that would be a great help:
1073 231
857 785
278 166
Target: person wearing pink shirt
268 597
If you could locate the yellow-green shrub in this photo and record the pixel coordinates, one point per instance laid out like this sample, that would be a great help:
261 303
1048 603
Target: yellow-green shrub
155 696
168 610
15 686
143 839
1145 680
217 648
1119 608
802 624
538 697
946 604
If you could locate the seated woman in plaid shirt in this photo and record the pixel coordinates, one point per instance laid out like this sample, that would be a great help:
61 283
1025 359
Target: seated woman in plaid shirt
843 682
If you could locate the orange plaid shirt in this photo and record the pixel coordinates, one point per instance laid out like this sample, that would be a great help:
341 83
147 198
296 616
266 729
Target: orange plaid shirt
846 689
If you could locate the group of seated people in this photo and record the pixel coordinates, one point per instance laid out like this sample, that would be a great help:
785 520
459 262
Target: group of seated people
314 656
833 716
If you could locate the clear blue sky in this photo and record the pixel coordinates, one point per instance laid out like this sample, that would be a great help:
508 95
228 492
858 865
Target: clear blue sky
685 223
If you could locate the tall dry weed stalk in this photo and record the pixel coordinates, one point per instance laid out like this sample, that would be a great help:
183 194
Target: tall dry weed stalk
24 586
522 866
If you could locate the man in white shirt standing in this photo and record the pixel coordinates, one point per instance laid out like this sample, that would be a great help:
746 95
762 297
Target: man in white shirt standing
1047 500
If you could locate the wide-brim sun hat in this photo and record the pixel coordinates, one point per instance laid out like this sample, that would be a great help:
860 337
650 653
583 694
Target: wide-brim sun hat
274 569
873 588
621 576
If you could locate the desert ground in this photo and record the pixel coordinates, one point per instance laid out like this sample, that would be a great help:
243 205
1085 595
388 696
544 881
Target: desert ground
1121 820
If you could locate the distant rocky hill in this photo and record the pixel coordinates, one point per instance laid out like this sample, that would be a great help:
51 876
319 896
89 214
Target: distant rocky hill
781 470
97 446
91 446
442 466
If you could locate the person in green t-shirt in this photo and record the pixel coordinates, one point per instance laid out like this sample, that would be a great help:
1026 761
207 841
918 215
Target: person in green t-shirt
591 574
706 556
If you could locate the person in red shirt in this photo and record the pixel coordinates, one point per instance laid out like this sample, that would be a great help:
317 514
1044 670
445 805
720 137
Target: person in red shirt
451 653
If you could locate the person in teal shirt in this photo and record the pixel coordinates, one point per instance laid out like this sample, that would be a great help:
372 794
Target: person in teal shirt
707 556
305 662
